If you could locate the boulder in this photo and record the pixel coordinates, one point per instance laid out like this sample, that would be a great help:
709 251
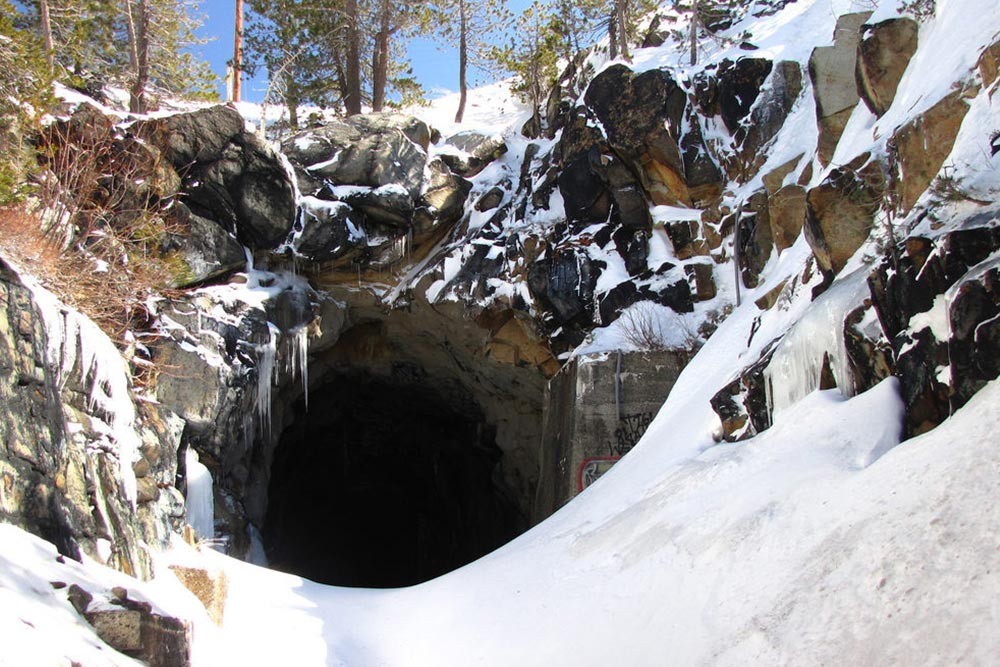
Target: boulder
756 241
831 70
200 249
739 85
767 116
775 179
840 211
641 115
389 205
884 52
228 174
359 150
787 214
477 151
446 193
329 230
989 64
210 587
924 143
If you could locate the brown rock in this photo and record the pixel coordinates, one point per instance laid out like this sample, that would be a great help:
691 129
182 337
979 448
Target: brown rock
210 587
840 212
774 179
883 54
787 214
923 144
700 274
121 629
989 64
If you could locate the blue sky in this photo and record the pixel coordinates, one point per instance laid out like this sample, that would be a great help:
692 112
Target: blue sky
435 68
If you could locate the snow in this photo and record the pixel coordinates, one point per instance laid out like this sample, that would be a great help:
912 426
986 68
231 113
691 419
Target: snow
74 341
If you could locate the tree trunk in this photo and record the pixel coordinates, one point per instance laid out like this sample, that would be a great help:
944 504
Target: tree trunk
621 16
380 56
352 68
238 53
46 27
463 60
613 34
694 31
137 98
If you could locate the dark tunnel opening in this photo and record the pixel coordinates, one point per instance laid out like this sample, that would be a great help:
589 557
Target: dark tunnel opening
384 484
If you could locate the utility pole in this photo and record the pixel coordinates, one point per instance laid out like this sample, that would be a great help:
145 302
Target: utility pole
238 52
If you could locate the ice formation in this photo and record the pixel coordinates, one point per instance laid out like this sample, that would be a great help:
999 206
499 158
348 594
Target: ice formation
200 509
815 339
266 356
73 339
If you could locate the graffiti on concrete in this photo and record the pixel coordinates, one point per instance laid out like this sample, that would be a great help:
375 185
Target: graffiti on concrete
630 429
593 468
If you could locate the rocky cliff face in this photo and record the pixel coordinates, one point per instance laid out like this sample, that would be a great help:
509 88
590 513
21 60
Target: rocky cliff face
372 253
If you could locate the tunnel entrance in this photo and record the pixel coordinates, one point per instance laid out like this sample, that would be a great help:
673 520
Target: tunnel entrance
386 482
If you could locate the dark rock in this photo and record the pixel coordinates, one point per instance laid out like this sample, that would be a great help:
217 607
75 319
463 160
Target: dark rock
767 117
329 231
203 249
490 199
445 193
884 52
742 404
787 214
389 205
228 174
738 88
756 241
641 115
359 150
974 345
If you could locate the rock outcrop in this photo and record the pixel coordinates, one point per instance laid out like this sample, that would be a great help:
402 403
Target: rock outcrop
884 52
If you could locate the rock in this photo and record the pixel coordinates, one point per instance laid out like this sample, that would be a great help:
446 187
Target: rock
479 151
831 70
388 205
840 211
445 194
641 115
974 345
775 179
121 629
768 116
359 150
490 199
884 52
701 277
563 284
210 587
989 64
329 230
702 175
228 174
924 143
742 404
202 251
755 237
787 214
738 88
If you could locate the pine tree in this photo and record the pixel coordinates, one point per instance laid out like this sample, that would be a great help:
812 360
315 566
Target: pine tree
532 56
299 46
469 26
25 96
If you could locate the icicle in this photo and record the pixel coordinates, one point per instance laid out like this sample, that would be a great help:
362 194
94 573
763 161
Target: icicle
266 355
71 337
200 505
297 363
797 365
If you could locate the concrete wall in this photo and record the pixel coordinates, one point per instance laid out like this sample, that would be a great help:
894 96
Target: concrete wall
587 425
